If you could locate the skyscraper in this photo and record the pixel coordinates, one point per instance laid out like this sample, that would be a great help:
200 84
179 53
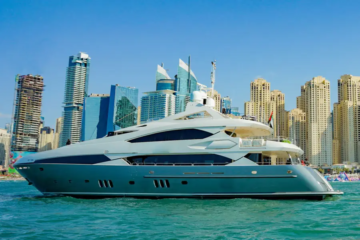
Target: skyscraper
123 105
27 112
217 99
58 130
315 99
138 120
161 73
157 105
76 88
4 148
281 123
95 116
297 129
185 84
46 139
346 120
260 104
8 127
226 105
165 84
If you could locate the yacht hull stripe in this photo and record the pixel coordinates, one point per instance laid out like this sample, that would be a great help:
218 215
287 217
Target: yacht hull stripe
221 176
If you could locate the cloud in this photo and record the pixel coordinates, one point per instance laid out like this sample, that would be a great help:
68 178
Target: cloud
4 115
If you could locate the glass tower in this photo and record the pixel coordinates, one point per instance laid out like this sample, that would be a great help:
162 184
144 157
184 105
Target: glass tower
157 105
226 105
161 73
123 104
165 84
76 87
95 115
185 84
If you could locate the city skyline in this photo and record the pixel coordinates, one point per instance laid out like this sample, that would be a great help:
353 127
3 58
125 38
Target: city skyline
248 41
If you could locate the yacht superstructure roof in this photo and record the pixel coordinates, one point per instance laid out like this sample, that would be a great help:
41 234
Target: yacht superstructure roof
200 116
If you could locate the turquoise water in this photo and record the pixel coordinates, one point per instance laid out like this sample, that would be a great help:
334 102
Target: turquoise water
25 214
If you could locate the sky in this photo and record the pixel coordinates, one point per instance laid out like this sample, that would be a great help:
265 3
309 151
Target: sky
285 42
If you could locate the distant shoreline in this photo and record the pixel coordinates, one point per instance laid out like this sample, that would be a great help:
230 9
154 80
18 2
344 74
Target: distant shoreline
6 178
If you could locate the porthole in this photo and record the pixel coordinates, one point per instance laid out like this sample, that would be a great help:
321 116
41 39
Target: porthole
87 181
161 183
167 183
184 182
131 182
41 169
111 184
156 184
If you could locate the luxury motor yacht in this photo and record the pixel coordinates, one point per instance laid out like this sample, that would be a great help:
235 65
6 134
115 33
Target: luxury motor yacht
199 153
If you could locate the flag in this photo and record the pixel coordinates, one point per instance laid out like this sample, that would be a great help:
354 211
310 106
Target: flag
270 121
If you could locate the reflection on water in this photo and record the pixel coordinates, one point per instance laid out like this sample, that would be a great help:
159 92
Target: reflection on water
24 212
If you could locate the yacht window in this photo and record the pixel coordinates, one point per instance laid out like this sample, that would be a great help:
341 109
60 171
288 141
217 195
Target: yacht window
184 134
110 134
230 133
258 158
196 159
255 157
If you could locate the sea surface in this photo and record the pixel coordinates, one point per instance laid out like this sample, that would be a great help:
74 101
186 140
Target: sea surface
26 214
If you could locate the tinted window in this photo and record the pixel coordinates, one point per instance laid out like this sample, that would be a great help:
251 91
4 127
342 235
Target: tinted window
199 159
184 134
255 157
80 159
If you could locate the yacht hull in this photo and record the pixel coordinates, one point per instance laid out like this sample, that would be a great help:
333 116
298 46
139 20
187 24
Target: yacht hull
99 181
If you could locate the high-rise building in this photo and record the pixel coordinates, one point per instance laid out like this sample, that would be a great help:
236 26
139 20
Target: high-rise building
185 84
260 106
76 88
297 129
4 148
217 99
123 104
46 139
161 73
138 120
165 84
157 105
346 120
315 99
95 116
226 105
281 123
58 130
300 100
27 112
8 127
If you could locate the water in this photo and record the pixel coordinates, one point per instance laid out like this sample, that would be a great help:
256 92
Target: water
26 214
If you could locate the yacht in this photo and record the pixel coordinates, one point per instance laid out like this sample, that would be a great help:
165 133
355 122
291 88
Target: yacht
199 153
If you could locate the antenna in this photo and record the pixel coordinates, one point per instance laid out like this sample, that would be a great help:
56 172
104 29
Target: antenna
213 68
